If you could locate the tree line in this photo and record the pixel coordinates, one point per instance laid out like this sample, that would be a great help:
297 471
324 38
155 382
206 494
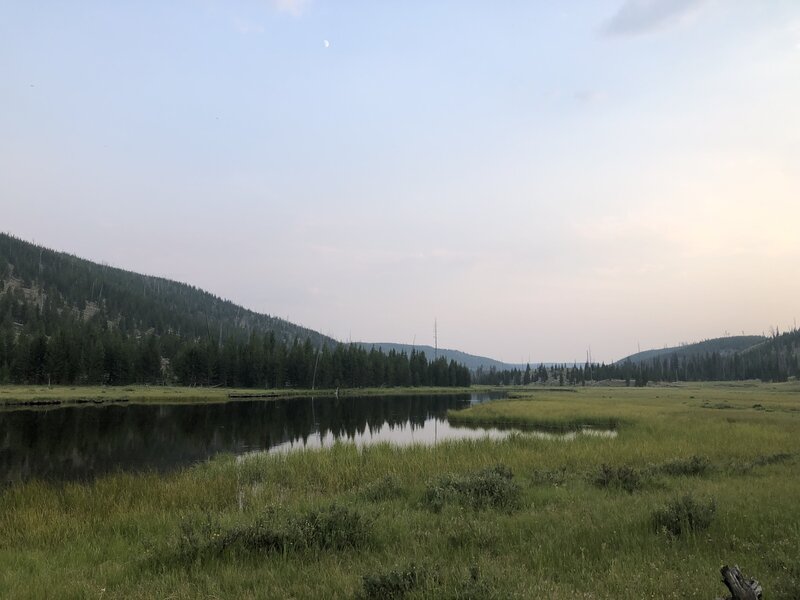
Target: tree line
37 350
775 360
65 320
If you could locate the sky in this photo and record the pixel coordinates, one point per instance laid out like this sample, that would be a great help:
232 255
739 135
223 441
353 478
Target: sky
538 178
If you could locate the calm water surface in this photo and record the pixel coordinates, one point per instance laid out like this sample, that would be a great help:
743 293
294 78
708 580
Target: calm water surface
82 442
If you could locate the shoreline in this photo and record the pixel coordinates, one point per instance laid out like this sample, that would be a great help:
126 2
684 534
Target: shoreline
22 396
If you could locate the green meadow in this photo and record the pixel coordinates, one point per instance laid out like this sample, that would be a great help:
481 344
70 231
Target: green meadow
696 477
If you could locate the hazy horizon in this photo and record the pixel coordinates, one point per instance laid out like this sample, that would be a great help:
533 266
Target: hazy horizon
539 180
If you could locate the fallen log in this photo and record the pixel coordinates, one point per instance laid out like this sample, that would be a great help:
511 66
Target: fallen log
740 587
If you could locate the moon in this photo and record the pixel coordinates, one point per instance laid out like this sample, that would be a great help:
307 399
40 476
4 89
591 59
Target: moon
326 43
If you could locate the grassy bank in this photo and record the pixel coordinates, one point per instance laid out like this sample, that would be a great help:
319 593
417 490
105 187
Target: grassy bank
11 395
523 517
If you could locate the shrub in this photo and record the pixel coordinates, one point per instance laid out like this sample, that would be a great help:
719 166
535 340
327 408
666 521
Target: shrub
259 536
335 527
744 467
331 528
694 465
625 478
489 488
386 488
684 515
196 536
392 585
398 583
554 477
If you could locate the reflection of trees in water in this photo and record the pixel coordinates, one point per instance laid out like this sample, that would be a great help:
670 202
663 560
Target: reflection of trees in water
83 442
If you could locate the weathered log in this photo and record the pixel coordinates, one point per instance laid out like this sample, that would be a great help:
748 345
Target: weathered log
740 587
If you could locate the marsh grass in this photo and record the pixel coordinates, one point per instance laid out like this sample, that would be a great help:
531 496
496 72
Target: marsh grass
36 395
565 538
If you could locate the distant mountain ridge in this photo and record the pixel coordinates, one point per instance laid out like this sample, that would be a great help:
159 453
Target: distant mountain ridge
471 361
724 346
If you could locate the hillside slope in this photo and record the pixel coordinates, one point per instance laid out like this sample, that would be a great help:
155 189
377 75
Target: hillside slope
134 303
776 358
723 346
471 361
70 321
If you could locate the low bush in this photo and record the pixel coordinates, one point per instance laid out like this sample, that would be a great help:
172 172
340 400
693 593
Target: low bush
744 467
489 488
391 585
554 477
197 535
694 465
386 488
397 584
331 528
624 478
684 515
335 527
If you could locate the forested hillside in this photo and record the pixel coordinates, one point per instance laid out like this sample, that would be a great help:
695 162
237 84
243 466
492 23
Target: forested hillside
723 346
774 359
68 320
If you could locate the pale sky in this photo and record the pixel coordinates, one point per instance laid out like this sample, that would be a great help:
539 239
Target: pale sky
540 177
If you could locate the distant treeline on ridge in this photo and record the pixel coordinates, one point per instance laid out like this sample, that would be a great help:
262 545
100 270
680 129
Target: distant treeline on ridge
65 320
776 359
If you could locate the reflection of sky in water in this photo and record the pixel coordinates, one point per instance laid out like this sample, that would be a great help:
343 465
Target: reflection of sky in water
431 432
81 443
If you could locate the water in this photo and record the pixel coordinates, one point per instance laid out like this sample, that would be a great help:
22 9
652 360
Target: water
68 443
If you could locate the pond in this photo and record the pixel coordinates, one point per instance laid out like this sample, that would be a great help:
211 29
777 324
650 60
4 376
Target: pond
66 443
79 443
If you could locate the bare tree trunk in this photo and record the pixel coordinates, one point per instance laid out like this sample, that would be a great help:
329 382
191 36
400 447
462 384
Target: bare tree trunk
739 587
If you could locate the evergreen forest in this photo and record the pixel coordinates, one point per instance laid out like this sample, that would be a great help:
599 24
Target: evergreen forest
65 320
776 359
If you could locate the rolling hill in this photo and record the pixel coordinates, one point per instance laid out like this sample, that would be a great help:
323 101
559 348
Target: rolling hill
471 361
724 346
